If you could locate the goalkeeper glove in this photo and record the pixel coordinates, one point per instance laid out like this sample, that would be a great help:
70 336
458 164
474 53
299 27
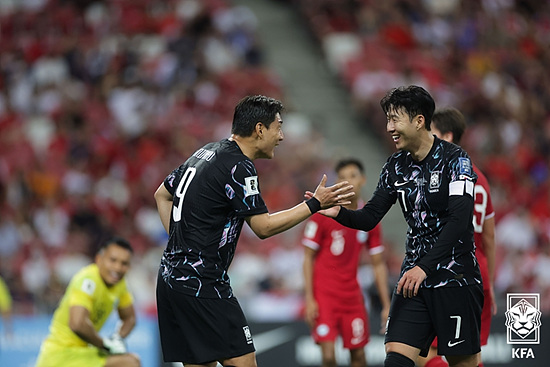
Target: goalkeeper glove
114 345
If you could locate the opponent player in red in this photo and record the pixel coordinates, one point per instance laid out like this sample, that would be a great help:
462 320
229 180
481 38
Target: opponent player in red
449 124
333 298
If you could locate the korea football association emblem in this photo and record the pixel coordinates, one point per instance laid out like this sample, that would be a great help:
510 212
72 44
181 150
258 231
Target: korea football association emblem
523 318
435 181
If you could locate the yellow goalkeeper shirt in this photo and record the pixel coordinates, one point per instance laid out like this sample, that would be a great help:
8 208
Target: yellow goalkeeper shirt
5 297
87 289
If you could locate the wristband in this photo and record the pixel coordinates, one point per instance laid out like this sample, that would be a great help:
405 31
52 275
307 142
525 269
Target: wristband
314 205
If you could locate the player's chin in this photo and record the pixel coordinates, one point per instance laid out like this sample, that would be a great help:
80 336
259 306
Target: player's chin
112 281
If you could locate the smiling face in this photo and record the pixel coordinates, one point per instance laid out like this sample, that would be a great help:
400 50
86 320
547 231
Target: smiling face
270 137
407 133
113 262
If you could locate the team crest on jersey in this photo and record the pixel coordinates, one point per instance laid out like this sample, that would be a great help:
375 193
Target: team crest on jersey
251 186
435 181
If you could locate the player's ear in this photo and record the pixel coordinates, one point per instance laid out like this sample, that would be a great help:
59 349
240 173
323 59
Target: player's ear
259 128
420 121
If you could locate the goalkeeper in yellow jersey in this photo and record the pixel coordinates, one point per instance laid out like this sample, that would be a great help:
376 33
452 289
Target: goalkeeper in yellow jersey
91 296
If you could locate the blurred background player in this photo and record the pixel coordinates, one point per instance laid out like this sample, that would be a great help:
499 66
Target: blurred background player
449 124
5 307
93 292
333 298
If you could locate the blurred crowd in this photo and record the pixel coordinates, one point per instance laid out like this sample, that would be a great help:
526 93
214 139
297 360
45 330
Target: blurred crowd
489 59
100 100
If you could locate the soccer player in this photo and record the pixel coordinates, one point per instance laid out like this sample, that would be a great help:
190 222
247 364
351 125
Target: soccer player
440 291
449 124
334 303
203 205
5 307
91 296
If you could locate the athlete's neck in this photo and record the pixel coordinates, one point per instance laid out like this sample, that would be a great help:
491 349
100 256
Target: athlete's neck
425 143
245 145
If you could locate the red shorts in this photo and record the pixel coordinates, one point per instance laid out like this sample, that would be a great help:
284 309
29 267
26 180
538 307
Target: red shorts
350 321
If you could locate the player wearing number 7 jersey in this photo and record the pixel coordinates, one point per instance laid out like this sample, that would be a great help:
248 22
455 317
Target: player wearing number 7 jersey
439 292
203 205
449 124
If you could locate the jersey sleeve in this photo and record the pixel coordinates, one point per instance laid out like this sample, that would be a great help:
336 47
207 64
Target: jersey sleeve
243 190
313 232
374 241
81 292
372 213
460 210
170 180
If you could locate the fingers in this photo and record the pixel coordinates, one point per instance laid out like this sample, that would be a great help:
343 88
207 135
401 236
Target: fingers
400 285
323 180
408 287
416 287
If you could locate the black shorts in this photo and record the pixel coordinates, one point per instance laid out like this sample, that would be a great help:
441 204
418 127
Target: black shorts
200 330
453 314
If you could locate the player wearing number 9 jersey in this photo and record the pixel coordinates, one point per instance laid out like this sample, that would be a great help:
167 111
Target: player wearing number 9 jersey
203 205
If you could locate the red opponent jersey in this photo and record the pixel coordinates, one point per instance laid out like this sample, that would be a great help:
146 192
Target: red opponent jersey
338 249
483 210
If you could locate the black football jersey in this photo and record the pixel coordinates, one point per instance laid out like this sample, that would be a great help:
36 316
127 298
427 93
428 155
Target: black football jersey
214 191
436 198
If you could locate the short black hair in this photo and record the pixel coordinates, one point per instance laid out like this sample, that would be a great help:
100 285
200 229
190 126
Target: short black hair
253 109
449 119
119 241
413 99
347 162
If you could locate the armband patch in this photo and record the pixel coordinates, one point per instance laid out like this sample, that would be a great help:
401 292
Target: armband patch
465 166
251 186
88 286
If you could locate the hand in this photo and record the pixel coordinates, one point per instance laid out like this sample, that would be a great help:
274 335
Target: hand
337 194
114 345
410 282
311 312
330 212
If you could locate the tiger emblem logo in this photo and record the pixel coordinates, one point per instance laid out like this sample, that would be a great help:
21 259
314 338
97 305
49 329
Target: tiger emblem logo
523 318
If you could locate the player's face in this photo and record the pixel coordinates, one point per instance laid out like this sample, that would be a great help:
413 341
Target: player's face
271 137
404 132
113 263
353 175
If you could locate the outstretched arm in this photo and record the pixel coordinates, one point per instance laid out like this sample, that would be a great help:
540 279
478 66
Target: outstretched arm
266 225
